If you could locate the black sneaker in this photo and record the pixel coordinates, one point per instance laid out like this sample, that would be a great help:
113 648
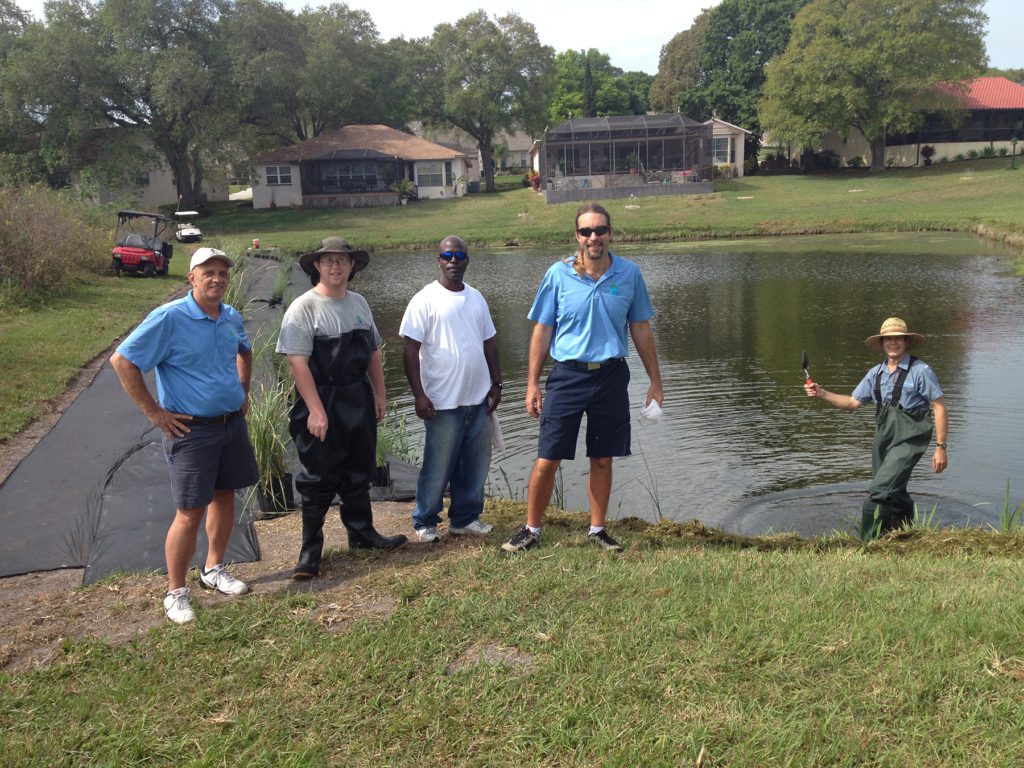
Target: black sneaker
523 540
604 540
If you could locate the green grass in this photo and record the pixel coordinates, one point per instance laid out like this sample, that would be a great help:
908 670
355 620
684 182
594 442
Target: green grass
981 194
767 653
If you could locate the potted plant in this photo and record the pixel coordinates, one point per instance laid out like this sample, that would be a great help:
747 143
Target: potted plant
927 152
633 163
267 418
404 189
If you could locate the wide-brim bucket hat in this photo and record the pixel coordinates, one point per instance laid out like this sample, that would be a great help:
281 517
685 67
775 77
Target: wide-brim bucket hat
894 326
333 245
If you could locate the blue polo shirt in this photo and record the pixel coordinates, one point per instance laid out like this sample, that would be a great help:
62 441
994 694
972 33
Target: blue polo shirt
919 389
194 356
591 318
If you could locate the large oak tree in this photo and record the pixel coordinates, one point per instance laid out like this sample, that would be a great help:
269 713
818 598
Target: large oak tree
483 76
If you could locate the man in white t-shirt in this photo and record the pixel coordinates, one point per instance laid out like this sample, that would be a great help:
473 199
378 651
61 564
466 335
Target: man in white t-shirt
451 361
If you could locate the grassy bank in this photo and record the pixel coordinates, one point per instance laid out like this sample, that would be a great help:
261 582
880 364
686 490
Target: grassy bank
982 196
689 649
953 196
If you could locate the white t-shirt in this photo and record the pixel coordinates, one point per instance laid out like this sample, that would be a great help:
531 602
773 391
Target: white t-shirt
451 327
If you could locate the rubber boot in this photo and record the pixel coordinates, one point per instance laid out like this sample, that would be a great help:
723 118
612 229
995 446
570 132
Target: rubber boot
357 517
312 542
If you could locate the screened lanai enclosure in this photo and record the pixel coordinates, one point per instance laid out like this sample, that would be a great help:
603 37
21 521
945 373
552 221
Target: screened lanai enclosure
603 158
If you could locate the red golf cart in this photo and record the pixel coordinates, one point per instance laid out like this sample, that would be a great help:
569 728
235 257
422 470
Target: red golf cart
139 244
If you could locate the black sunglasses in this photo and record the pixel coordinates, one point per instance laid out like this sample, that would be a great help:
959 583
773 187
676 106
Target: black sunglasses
449 255
600 231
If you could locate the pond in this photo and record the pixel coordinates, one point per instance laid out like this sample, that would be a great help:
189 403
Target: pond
740 446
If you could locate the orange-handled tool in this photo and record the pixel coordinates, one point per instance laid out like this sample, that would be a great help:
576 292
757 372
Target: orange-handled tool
805 363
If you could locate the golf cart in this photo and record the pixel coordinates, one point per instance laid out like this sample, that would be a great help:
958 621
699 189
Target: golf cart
186 231
139 244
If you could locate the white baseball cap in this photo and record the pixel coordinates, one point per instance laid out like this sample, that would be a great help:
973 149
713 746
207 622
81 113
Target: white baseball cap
203 255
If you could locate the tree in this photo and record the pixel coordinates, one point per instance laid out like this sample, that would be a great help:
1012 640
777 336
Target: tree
638 86
1017 74
874 65
611 95
484 76
679 65
741 37
133 67
19 122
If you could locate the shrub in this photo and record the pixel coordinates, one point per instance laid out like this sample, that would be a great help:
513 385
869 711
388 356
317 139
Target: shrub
47 243
988 152
959 157
927 151
972 154
1003 151
855 162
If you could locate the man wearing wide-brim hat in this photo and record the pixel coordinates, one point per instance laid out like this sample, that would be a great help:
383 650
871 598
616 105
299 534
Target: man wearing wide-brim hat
908 399
333 350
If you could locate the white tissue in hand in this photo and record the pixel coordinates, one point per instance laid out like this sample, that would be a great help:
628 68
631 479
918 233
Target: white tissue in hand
650 414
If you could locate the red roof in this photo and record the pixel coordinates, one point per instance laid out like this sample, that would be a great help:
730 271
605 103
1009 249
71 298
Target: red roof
995 93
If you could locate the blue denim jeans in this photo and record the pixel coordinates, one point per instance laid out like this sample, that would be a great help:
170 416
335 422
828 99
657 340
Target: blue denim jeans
457 450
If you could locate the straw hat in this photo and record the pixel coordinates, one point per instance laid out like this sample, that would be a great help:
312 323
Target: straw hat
894 326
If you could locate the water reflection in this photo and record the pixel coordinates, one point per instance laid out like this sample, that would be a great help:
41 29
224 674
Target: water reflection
740 445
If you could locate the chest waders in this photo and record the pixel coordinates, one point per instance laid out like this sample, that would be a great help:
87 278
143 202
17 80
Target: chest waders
342 465
901 438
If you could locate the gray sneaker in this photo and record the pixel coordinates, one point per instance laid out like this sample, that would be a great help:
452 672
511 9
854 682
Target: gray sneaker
604 540
428 534
177 608
477 528
522 540
219 579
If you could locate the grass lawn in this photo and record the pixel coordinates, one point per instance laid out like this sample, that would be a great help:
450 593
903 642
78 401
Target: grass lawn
689 649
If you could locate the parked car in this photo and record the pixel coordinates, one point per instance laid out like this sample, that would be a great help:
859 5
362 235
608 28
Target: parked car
140 244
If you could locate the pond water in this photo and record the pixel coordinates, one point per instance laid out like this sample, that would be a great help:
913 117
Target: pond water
740 445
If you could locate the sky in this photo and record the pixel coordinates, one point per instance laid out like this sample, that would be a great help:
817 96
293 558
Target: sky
631 33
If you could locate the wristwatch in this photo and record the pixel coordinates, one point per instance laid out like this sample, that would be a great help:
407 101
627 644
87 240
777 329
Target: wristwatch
941 445
497 384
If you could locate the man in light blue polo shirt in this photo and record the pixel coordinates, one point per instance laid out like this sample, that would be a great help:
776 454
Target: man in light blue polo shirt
585 308
203 362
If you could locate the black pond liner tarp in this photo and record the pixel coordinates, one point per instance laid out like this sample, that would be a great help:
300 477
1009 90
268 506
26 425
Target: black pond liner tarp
95 494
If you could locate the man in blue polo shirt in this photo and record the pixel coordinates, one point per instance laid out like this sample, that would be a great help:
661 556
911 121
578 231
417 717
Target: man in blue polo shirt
584 309
203 362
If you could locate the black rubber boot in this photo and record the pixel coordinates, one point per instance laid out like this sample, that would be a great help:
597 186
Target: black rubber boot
312 542
357 517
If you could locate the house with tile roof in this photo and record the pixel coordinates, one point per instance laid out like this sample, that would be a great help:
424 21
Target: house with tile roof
991 116
356 167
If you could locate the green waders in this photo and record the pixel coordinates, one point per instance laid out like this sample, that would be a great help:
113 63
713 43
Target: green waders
901 438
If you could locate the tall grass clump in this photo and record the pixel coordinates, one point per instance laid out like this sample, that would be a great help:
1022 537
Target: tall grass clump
46 245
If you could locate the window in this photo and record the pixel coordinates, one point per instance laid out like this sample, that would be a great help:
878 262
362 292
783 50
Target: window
142 179
721 150
279 174
429 175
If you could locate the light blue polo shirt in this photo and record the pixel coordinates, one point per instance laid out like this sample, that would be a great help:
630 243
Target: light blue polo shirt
919 389
591 318
194 356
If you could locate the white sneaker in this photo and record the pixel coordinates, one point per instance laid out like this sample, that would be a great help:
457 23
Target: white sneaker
177 608
477 527
219 579
428 534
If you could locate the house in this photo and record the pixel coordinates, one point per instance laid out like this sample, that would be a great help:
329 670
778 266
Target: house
727 148
511 148
354 167
994 108
132 174
602 158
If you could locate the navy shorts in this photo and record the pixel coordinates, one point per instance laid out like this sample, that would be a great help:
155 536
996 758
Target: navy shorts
602 395
211 457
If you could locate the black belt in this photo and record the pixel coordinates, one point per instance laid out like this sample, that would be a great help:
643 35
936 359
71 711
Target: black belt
583 365
200 421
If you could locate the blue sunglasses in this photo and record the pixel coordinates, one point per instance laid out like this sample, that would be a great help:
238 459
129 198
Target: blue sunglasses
449 255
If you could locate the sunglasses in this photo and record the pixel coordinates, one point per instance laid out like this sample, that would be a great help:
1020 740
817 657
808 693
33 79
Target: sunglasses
600 231
449 255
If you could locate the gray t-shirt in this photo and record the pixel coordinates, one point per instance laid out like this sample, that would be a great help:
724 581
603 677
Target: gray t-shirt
312 314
